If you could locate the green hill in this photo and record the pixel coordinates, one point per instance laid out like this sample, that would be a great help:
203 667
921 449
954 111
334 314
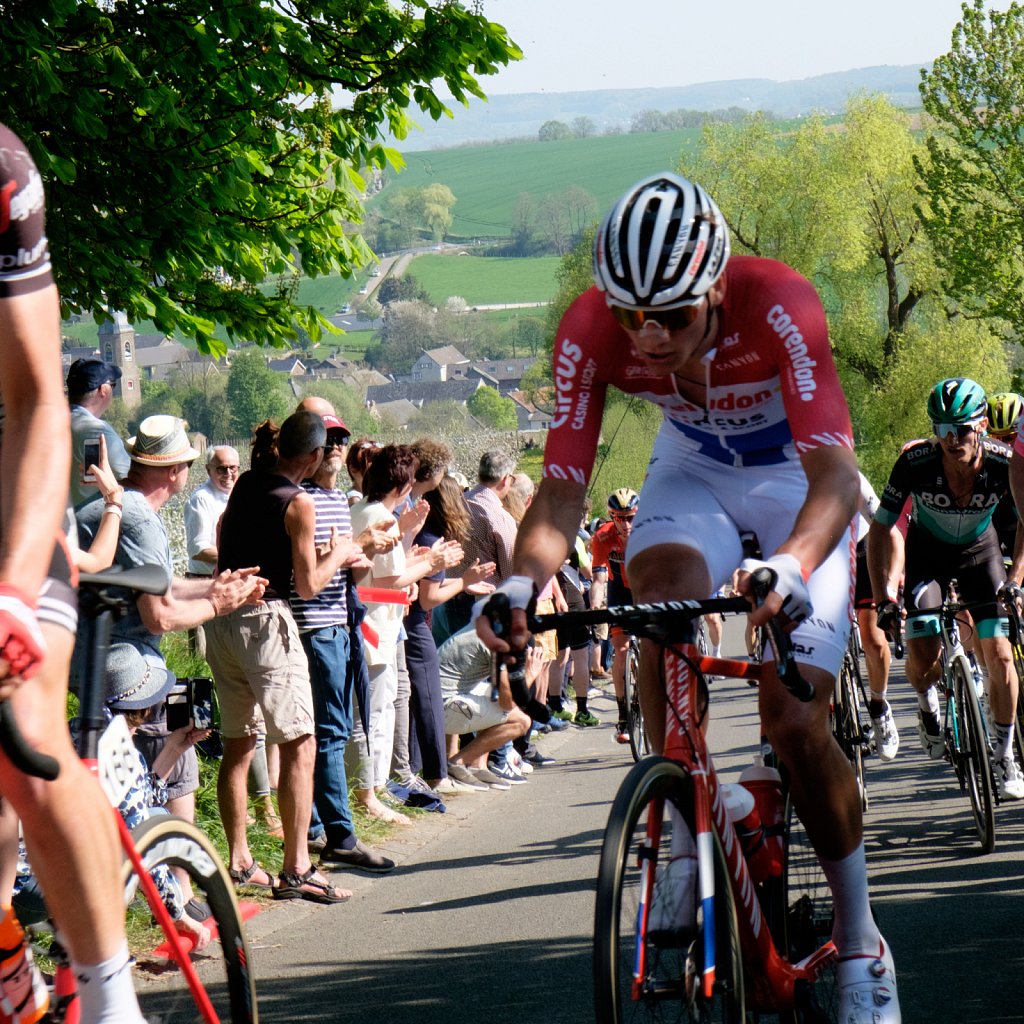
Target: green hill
488 180
485 280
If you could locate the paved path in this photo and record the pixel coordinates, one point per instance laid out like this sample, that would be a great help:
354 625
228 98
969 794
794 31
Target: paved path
488 916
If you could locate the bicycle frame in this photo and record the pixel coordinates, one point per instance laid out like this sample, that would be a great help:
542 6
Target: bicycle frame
771 978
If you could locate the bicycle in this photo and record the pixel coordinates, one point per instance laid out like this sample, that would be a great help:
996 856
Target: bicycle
639 745
847 713
1017 643
964 733
162 840
762 944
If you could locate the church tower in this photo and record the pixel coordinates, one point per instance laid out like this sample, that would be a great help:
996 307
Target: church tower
117 346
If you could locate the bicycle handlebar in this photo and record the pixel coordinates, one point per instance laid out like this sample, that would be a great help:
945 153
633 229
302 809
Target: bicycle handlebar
145 579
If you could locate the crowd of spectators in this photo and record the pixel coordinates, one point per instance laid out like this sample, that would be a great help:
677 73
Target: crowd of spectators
329 588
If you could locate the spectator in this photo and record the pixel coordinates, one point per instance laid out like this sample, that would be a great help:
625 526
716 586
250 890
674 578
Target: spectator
90 391
324 623
257 657
357 461
472 706
426 733
492 531
204 508
387 482
160 457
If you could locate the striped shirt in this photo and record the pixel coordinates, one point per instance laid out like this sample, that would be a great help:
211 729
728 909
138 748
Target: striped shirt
329 607
492 534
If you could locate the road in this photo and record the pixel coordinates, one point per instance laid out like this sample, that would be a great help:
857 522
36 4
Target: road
488 915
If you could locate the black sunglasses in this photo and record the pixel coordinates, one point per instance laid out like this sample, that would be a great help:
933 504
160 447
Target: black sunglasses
670 319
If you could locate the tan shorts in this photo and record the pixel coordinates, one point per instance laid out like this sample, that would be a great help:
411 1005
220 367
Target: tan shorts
259 665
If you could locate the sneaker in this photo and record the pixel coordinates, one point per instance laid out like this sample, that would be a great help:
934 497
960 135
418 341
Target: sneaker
418 785
930 732
562 716
673 906
492 780
505 773
460 773
556 724
447 786
360 857
621 733
517 764
316 845
867 989
600 674
886 737
586 718
537 759
1010 779
542 728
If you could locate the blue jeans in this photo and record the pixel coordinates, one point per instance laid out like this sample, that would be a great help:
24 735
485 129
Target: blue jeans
327 650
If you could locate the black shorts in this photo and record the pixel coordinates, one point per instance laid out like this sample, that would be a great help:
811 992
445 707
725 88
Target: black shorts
57 602
977 569
576 638
862 597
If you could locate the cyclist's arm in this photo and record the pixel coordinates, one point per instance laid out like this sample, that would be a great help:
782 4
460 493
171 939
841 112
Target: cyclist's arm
833 493
1017 489
884 553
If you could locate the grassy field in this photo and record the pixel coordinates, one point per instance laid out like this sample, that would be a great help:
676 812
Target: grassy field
485 279
488 180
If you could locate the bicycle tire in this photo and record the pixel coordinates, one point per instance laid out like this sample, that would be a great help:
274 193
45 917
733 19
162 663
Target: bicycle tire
847 722
670 991
972 753
170 841
638 743
807 924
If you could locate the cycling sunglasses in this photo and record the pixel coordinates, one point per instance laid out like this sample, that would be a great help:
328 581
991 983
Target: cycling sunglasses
668 319
959 430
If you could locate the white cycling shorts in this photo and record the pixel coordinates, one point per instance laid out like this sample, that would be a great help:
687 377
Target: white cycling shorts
697 502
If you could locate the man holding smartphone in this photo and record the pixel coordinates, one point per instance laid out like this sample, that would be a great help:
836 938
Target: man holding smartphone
90 391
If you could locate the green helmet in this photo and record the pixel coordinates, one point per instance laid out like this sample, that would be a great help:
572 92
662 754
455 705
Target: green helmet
956 400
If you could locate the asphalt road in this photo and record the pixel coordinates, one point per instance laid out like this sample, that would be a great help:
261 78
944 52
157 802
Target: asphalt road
488 915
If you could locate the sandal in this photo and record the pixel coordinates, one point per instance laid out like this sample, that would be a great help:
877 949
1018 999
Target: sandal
244 877
308 886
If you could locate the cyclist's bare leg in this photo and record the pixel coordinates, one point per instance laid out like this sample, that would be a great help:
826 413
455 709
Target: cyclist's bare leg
922 666
620 644
877 656
72 840
1002 678
714 625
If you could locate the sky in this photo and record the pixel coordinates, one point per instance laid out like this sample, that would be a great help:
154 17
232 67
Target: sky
577 45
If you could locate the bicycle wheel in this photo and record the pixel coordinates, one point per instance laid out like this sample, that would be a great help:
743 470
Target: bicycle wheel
670 987
807 924
847 721
638 743
165 840
971 753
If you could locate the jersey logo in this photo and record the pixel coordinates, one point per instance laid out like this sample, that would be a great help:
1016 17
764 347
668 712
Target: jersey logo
803 366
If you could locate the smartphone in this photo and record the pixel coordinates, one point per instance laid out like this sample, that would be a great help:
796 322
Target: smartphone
90 457
201 702
178 716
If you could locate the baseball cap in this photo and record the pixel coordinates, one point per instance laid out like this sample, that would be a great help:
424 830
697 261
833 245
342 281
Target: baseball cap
89 374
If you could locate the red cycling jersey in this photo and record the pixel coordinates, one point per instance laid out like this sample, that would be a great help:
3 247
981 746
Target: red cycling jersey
772 388
608 551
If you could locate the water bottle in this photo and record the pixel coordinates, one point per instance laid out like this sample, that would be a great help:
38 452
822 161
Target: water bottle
765 785
743 813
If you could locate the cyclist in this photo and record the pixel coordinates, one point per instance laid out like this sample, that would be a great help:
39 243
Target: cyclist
877 656
68 825
955 481
608 559
756 436
1004 413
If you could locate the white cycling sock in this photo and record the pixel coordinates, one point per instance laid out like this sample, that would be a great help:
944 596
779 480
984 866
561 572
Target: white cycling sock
1002 740
716 651
929 701
854 930
105 991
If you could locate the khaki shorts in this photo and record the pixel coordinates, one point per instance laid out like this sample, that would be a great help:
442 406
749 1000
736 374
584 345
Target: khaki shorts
259 665
473 711
547 641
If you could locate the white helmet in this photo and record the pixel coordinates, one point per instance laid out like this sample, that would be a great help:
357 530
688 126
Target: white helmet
662 245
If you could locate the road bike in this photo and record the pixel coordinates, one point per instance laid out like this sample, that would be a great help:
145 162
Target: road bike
639 745
162 841
1017 643
849 702
760 943
964 733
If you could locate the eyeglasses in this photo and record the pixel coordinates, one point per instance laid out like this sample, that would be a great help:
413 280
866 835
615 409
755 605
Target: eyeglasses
226 470
668 319
958 430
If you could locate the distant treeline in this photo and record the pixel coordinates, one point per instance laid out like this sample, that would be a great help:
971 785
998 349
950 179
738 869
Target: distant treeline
644 121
